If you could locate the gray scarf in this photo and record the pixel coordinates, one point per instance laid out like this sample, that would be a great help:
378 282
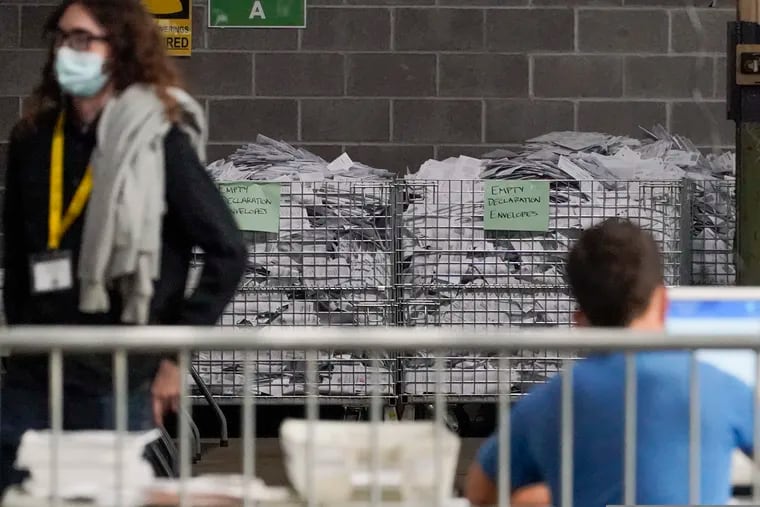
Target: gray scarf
121 246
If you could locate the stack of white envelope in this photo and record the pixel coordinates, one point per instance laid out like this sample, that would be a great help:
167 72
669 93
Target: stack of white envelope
330 261
90 466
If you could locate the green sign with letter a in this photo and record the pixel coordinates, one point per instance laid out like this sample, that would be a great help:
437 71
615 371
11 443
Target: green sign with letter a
257 13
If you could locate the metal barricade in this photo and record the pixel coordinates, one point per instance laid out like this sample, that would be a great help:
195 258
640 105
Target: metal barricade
120 341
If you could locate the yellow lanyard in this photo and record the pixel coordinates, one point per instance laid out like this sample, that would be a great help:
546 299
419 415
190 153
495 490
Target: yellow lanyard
58 223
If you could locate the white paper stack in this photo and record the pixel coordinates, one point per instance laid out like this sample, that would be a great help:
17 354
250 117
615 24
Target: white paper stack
331 260
283 373
90 465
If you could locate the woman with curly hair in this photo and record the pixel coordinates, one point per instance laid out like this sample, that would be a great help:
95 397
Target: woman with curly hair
106 198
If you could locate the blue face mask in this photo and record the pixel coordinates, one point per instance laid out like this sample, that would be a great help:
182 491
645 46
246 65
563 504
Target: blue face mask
80 73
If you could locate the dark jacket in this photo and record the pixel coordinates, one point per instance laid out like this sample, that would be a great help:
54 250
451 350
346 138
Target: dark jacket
197 216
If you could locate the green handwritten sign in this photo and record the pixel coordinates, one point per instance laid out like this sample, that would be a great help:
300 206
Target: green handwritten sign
517 206
256 206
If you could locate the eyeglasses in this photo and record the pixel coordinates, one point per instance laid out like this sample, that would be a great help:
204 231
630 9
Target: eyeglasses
78 40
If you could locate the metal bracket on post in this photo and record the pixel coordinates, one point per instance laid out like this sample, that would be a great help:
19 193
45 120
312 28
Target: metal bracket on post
743 106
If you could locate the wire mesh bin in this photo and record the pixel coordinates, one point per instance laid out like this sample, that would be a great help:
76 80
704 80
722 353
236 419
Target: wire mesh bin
714 229
330 264
452 272
415 253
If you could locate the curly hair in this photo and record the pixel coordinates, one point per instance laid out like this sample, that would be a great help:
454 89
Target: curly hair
138 53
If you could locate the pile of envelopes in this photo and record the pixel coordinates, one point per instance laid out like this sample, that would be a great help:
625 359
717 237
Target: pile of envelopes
343 226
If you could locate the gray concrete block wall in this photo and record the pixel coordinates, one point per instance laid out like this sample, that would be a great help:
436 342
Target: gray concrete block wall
395 82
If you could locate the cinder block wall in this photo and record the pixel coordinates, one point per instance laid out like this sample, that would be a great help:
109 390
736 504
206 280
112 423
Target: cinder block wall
395 82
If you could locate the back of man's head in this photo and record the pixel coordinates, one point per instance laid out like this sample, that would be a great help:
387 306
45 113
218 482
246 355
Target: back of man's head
616 275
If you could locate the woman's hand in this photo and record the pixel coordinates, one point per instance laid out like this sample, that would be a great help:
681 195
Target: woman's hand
165 390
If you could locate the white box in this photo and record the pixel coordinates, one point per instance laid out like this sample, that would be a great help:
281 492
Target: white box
342 458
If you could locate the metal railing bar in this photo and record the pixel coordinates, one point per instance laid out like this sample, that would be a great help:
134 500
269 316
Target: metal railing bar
56 422
630 429
154 339
504 431
249 428
121 418
695 432
566 439
185 469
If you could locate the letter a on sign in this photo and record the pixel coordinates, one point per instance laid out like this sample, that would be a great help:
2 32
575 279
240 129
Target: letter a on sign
257 11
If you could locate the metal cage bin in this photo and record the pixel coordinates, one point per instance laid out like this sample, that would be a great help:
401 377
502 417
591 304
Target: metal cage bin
453 272
331 264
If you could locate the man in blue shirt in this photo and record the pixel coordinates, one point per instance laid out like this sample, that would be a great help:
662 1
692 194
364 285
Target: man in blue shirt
615 272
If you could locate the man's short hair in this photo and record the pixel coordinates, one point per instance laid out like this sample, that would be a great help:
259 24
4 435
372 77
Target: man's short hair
613 270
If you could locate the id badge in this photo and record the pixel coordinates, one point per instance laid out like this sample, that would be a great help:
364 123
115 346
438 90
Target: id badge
52 272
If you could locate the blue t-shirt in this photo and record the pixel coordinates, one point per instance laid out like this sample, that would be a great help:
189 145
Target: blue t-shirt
662 431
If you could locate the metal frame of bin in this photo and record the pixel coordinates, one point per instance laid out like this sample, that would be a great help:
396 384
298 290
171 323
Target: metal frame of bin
452 272
330 264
